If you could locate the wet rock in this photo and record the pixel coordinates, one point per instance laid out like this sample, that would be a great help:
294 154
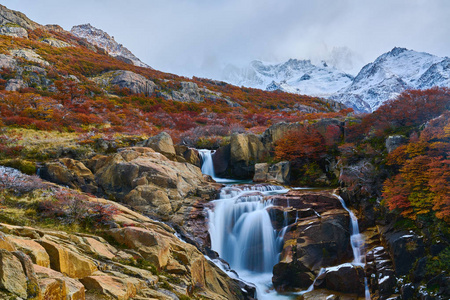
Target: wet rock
346 278
404 248
187 154
407 291
277 173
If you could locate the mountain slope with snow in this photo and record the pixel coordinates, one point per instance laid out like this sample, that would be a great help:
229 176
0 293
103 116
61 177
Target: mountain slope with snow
384 79
293 76
392 73
103 40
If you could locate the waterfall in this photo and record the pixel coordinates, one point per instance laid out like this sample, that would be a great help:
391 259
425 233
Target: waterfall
208 166
356 240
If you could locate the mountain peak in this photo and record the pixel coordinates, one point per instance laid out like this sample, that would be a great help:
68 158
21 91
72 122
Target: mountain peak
104 41
396 51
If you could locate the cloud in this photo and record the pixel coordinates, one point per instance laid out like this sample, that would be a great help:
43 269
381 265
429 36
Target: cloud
199 37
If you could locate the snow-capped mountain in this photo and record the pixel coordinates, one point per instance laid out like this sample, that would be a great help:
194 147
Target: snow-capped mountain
293 76
384 79
392 73
103 40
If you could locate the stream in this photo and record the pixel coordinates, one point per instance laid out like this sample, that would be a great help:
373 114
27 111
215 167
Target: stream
242 233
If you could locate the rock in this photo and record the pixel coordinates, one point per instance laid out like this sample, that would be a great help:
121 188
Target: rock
70 172
101 248
55 284
167 252
15 85
245 150
345 278
190 155
317 236
66 261
8 16
221 160
407 291
136 83
36 252
30 56
12 276
56 43
163 144
14 31
394 141
7 62
110 286
190 89
33 290
405 248
275 132
5 243
151 183
277 173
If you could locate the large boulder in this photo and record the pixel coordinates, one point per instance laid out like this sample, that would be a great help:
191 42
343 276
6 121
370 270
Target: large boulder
405 248
317 236
5 243
136 83
346 278
69 172
110 286
277 173
245 151
151 183
163 144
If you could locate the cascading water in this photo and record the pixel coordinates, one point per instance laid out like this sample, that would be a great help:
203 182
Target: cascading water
242 233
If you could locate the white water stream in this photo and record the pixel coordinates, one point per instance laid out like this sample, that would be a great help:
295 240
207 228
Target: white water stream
241 231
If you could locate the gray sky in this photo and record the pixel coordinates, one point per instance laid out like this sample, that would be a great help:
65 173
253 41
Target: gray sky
199 37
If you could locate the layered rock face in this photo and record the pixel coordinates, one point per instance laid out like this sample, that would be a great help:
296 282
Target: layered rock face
317 236
48 264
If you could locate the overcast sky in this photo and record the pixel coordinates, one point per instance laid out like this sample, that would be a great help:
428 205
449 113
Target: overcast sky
200 37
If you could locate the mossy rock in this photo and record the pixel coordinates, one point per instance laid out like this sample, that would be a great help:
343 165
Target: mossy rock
24 166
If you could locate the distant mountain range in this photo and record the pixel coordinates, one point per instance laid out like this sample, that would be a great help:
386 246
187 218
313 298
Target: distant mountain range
385 78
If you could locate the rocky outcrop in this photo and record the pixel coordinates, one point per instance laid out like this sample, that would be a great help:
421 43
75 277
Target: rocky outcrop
15 84
29 55
317 236
239 158
276 173
186 154
70 172
394 141
12 276
106 42
136 83
8 17
346 278
163 144
151 183
13 30
56 43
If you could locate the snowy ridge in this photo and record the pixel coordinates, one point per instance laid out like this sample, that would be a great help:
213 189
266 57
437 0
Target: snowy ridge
392 73
293 76
385 78
103 40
